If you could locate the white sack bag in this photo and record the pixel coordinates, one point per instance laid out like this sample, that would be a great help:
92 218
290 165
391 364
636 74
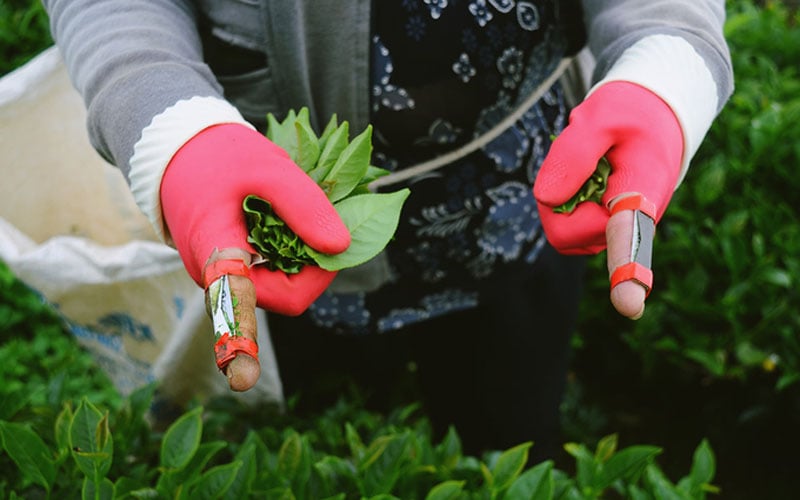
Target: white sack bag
69 229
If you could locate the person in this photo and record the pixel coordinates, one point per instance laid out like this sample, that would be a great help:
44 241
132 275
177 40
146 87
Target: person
478 291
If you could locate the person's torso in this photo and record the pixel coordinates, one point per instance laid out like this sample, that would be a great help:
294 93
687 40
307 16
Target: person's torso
442 72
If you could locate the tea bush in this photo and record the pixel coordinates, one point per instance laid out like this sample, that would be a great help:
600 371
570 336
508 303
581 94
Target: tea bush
24 32
228 451
64 431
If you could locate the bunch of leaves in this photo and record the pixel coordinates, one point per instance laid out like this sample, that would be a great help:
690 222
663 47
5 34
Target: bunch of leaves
592 190
727 254
345 453
342 169
24 32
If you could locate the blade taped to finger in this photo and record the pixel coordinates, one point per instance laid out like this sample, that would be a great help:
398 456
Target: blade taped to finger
230 340
643 231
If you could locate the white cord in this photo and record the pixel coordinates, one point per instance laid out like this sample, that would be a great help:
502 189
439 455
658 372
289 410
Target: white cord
479 141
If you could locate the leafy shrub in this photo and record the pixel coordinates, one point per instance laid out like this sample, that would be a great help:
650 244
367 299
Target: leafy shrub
345 453
24 32
64 431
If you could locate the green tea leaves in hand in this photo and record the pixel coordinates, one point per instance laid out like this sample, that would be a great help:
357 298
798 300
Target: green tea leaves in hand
342 169
592 189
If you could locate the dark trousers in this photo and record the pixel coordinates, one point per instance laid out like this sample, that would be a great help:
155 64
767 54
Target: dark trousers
496 372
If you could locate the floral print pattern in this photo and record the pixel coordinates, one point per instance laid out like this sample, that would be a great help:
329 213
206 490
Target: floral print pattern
481 11
464 68
384 93
447 71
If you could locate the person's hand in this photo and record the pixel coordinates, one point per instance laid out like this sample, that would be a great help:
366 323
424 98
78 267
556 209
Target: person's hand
202 191
642 139
201 196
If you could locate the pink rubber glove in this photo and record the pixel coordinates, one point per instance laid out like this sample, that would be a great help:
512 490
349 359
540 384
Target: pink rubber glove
641 138
201 196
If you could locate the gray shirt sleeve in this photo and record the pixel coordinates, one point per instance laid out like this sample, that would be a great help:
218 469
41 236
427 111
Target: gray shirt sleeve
615 25
130 60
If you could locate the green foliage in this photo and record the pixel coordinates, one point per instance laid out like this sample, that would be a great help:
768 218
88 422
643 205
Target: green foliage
592 190
83 440
39 356
727 252
632 472
342 169
725 301
346 452
24 32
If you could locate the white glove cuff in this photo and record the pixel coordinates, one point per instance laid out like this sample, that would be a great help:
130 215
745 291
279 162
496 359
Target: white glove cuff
162 138
672 69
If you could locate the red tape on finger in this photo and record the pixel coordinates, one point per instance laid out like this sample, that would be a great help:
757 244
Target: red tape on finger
635 202
638 269
633 271
221 267
229 346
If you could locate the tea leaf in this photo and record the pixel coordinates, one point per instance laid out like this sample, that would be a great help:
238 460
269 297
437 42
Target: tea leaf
280 493
509 465
606 447
272 238
294 463
182 439
354 442
585 465
283 133
661 487
126 487
334 145
626 464
703 465
290 455
535 483
62 425
307 142
446 490
104 490
336 473
487 474
90 440
592 190
175 479
384 463
350 167
448 451
245 475
329 129
372 220
215 482
372 174
140 400
29 452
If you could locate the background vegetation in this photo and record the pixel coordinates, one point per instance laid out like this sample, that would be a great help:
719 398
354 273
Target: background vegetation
716 356
24 32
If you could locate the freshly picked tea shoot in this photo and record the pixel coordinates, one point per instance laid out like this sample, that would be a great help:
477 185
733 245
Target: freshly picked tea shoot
342 169
592 189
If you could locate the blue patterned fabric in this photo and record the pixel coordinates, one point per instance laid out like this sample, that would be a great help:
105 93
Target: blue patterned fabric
444 72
